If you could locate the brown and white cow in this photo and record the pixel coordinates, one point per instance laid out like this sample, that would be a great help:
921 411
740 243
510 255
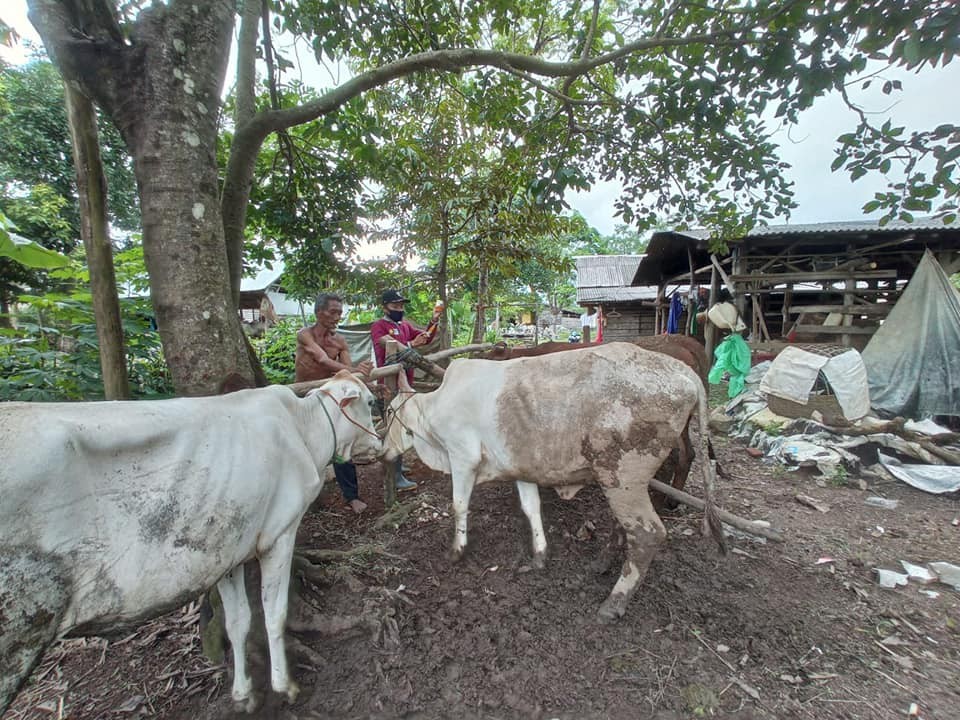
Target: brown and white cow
607 415
682 347
112 513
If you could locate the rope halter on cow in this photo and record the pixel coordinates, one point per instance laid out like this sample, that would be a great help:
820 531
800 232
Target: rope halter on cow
394 414
335 458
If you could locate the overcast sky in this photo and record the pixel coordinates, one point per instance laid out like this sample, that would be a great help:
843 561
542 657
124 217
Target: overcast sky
927 100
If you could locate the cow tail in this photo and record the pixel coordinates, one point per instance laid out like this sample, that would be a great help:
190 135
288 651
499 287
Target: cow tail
711 520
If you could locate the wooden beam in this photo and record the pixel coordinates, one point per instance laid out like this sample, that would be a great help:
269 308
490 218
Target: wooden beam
873 310
826 275
723 274
836 329
727 517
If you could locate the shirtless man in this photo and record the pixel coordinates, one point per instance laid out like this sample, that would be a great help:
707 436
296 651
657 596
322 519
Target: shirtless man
321 353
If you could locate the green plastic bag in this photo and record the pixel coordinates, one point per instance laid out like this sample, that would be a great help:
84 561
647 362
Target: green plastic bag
732 356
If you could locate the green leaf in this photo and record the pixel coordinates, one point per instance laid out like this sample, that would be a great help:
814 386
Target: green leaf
30 254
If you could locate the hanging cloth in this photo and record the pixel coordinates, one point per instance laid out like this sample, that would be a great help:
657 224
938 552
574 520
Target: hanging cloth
676 310
600 324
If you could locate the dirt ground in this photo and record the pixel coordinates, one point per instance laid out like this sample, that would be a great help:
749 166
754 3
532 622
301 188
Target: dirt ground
793 630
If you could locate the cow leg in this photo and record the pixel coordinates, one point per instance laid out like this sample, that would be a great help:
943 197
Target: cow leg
630 503
681 469
530 502
463 482
275 585
33 597
236 615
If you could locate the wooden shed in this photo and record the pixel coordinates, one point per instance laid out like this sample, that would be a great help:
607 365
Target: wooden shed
607 281
825 282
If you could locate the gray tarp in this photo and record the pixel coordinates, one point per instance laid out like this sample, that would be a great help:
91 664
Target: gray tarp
358 341
912 360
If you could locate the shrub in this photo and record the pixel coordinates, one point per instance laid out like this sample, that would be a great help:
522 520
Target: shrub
277 349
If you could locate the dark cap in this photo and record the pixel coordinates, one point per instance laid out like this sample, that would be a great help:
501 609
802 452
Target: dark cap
391 296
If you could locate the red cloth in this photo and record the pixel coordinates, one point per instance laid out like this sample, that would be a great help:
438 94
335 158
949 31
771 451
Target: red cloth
403 332
600 324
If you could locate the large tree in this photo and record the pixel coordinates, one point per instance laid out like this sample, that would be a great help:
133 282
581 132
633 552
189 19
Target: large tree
668 95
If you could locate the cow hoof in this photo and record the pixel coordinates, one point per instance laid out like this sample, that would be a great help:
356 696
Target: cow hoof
245 705
610 611
539 562
456 555
293 690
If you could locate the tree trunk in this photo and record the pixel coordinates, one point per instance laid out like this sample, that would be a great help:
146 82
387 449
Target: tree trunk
480 323
162 90
5 320
446 339
92 188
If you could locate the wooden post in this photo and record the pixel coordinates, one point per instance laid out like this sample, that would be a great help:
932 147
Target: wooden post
389 469
95 233
658 315
688 326
710 330
739 288
787 298
849 286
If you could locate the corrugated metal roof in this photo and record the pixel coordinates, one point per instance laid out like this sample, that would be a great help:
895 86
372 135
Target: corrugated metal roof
606 271
849 226
263 277
615 294
667 252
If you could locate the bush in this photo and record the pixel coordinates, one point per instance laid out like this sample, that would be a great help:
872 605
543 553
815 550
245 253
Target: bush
277 350
53 353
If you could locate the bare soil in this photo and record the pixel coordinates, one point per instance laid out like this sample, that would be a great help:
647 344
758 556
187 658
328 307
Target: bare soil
799 630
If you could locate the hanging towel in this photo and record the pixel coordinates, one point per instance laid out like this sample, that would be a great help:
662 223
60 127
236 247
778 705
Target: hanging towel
676 310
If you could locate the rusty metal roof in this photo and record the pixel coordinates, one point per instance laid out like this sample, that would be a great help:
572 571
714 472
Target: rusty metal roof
586 296
607 278
605 271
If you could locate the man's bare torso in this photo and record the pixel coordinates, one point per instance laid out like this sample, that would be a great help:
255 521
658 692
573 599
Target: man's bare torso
307 368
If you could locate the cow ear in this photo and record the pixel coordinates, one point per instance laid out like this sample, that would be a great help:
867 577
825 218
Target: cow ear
352 393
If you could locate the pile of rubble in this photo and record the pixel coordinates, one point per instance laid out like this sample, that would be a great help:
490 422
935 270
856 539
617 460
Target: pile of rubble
922 454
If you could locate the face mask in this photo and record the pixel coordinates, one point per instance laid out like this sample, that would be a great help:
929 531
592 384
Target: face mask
395 315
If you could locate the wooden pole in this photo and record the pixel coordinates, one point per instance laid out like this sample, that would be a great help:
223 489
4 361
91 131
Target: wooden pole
688 326
710 330
727 517
94 231
389 469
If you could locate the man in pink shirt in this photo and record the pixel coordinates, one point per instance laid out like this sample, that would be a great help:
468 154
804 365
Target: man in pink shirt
392 325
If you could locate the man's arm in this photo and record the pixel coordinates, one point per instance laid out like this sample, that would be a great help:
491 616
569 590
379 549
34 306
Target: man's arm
363 367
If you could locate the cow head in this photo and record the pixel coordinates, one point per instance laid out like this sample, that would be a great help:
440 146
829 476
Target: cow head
399 435
353 418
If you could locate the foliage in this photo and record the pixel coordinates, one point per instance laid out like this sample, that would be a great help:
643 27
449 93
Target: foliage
25 252
309 199
53 354
35 147
37 178
277 349
671 98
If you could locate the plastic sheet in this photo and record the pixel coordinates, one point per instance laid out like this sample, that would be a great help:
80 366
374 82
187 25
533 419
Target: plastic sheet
731 356
912 358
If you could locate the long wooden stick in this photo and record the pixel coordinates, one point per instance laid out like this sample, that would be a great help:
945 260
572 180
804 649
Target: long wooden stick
302 388
727 517
450 352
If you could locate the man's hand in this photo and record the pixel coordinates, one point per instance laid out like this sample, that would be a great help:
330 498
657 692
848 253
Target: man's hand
363 368
418 341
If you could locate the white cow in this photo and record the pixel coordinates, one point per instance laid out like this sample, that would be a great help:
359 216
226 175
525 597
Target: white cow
112 513
607 415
